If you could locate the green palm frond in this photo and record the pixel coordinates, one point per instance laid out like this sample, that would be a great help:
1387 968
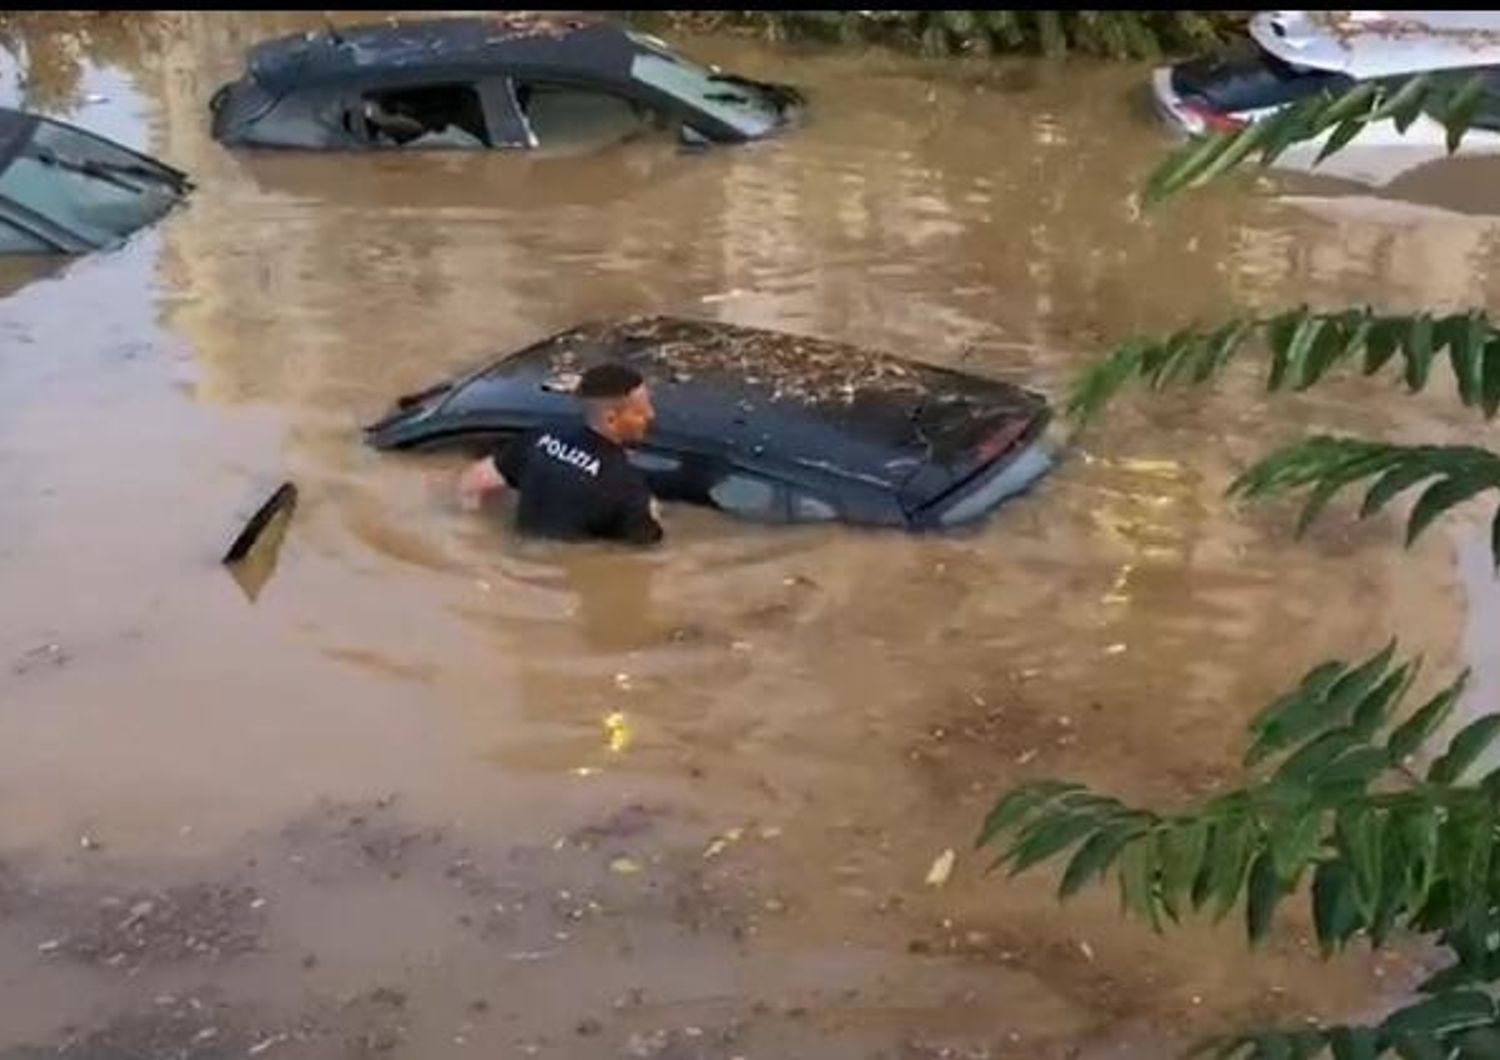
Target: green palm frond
1453 99
1384 847
1304 347
1457 1025
1329 464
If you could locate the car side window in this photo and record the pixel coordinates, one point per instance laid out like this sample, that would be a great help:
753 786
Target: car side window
16 240
650 462
750 497
421 116
561 115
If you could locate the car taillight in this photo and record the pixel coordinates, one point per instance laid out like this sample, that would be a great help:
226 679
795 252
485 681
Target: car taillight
1213 119
997 443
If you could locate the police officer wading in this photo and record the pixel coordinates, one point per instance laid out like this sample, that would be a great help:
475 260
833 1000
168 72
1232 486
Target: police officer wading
576 483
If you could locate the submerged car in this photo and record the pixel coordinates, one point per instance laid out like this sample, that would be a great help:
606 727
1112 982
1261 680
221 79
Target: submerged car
485 83
67 191
1291 55
769 426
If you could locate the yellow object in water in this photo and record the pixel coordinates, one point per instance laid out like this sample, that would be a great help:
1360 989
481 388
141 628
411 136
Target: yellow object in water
617 733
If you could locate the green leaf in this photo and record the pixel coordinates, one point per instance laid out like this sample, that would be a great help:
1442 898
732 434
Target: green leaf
1405 103
1135 881
1310 759
1383 342
1441 1015
1354 1043
1440 497
1350 690
1264 892
1335 910
1287 126
1018 803
1294 845
1359 835
1399 478
1228 860
1049 837
1419 352
1180 849
1350 104
1348 129
1466 341
1465 749
1357 769
1296 715
1459 114
1094 857
1418 1047
1375 710
1479 1043
1490 377
1243 142
1412 733
1495 539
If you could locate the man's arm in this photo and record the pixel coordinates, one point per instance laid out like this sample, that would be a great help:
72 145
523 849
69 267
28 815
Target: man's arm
478 480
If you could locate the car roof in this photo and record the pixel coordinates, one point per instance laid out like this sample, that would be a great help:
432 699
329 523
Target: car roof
1365 44
772 397
594 49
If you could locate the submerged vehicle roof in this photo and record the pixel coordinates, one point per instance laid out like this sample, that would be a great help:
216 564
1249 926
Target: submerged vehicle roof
1365 44
397 47
752 393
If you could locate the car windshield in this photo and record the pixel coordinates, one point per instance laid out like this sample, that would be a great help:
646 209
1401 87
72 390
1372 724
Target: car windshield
94 189
731 100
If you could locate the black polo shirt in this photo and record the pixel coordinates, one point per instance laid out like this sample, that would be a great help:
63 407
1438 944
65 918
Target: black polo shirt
576 484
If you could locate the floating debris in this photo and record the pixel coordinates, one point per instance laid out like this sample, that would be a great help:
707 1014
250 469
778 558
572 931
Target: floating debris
251 558
941 869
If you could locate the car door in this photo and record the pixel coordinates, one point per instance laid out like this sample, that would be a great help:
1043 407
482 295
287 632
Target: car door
563 115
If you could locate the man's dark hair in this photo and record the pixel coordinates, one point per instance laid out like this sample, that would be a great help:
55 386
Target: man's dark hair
608 382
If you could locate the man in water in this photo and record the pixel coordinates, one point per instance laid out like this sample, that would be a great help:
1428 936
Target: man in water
576 483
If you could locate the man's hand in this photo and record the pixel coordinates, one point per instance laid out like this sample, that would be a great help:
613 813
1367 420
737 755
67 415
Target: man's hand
478 479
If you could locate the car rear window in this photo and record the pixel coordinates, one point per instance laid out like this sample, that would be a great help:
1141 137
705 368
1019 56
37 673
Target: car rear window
1247 78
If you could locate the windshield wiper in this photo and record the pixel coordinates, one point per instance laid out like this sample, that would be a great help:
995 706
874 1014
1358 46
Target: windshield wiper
106 171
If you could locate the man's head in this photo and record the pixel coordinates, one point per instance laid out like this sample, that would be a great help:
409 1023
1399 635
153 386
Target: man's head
616 402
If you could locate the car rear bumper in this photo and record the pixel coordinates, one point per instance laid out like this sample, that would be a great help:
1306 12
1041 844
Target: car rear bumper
1169 106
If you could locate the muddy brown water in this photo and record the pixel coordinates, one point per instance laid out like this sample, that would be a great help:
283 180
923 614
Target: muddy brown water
436 792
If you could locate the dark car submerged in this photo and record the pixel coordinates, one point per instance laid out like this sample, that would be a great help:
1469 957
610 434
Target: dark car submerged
769 426
485 83
67 191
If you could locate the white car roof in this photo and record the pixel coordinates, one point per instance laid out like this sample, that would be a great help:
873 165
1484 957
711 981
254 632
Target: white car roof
1365 44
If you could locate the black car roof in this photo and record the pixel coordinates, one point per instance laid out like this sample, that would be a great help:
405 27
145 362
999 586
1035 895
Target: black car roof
771 396
592 49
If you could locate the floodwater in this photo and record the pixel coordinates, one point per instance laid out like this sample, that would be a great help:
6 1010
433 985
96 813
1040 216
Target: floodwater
432 792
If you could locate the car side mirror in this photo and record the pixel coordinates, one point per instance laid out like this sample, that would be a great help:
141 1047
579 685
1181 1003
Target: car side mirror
691 137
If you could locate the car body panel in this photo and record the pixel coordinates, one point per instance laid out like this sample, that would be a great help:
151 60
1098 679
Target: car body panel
882 440
64 190
310 90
